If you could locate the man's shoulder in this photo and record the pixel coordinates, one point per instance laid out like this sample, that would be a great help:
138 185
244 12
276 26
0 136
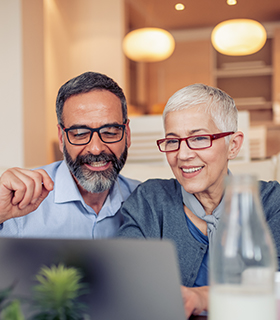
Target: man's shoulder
52 168
128 183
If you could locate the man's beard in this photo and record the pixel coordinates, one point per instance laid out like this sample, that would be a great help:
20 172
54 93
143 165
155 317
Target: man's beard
95 181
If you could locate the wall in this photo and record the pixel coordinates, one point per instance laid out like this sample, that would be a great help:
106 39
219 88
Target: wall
191 62
276 64
44 43
22 125
11 127
78 38
34 120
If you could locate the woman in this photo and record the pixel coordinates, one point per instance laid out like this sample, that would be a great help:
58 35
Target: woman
200 137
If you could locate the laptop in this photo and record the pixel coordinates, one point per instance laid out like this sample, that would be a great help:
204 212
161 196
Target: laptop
126 279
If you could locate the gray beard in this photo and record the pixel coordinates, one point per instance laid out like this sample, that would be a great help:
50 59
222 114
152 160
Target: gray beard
95 181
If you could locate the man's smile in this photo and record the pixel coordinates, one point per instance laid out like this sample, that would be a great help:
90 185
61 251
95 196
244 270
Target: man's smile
98 165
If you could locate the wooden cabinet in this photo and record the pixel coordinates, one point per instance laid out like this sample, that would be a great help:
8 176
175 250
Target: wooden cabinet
254 83
249 80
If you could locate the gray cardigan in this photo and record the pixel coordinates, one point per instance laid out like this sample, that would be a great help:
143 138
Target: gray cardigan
155 210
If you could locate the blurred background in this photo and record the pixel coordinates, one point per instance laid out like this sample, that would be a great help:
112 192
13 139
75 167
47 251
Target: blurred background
44 43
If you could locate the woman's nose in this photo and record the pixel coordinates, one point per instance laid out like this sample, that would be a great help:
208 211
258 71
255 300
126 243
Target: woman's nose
185 152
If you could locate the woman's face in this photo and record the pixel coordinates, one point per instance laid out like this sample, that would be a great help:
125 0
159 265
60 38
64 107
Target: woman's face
198 171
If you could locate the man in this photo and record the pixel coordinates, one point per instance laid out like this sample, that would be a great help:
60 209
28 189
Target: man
83 193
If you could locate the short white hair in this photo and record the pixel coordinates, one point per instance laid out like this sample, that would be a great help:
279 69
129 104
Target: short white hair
210 100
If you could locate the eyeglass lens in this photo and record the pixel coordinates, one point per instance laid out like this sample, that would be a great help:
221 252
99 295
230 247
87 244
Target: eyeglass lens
108 134
199 142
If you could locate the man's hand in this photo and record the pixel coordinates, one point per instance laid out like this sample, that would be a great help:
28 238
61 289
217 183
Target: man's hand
195 300
22 191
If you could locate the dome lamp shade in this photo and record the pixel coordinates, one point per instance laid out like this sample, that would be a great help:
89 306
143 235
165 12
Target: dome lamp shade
148 45
238 37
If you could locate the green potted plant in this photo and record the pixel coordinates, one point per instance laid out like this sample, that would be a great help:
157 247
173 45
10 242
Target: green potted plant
55 297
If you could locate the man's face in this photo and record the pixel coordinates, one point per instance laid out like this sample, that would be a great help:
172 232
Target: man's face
95 166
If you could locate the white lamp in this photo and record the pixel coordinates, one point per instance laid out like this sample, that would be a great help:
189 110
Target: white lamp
148 44
238 37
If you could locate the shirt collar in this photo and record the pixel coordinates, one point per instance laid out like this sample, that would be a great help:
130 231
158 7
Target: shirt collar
113 201
66 190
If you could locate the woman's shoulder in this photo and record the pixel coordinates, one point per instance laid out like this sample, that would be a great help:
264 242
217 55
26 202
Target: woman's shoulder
158 190
155 197
270 196
269 187
157 184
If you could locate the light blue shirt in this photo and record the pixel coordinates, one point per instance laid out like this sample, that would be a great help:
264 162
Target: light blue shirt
64 214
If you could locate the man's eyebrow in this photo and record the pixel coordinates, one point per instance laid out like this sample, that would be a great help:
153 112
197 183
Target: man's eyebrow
76 126
83 126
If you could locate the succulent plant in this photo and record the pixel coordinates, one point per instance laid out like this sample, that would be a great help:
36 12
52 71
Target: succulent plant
12 311
56 295
54 298
9 307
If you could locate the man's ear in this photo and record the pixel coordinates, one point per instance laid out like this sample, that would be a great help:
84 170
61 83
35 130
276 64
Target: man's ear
60 138
128 133
235 144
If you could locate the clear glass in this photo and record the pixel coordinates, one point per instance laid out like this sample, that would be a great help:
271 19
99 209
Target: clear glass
243 257
83 135
197 142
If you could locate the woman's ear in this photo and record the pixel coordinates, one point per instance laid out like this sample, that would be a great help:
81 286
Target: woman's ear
235 144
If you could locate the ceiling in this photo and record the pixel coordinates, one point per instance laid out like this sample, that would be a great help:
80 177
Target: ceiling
197 13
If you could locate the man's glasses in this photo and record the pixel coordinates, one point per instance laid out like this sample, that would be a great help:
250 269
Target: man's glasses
109 133
194 142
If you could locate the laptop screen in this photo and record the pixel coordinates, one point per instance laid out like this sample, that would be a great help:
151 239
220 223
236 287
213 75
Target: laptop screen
119 279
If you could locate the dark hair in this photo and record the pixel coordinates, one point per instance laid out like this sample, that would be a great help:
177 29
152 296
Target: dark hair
87 82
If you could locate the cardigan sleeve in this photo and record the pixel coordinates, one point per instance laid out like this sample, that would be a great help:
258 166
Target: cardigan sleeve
139 218
270 198
155 210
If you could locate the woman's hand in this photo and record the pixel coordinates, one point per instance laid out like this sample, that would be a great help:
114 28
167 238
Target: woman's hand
195 300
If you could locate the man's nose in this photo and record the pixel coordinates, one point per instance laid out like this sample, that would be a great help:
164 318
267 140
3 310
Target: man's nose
96 145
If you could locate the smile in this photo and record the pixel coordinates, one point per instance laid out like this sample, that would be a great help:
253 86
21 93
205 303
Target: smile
98 164
191 170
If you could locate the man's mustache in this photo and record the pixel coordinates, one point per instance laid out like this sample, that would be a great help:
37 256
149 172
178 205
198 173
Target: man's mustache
90 158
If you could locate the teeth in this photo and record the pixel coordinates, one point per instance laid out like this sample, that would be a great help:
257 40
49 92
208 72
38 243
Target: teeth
98 164
191 169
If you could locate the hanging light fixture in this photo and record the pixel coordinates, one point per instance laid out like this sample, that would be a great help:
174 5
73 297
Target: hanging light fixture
148 44
238 37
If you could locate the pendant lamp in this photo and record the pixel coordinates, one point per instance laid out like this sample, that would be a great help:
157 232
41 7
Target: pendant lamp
148 45
238 37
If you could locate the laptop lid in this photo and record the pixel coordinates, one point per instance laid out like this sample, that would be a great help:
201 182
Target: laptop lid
126 279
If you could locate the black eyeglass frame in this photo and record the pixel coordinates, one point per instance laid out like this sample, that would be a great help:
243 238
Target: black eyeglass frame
212 137
92 130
